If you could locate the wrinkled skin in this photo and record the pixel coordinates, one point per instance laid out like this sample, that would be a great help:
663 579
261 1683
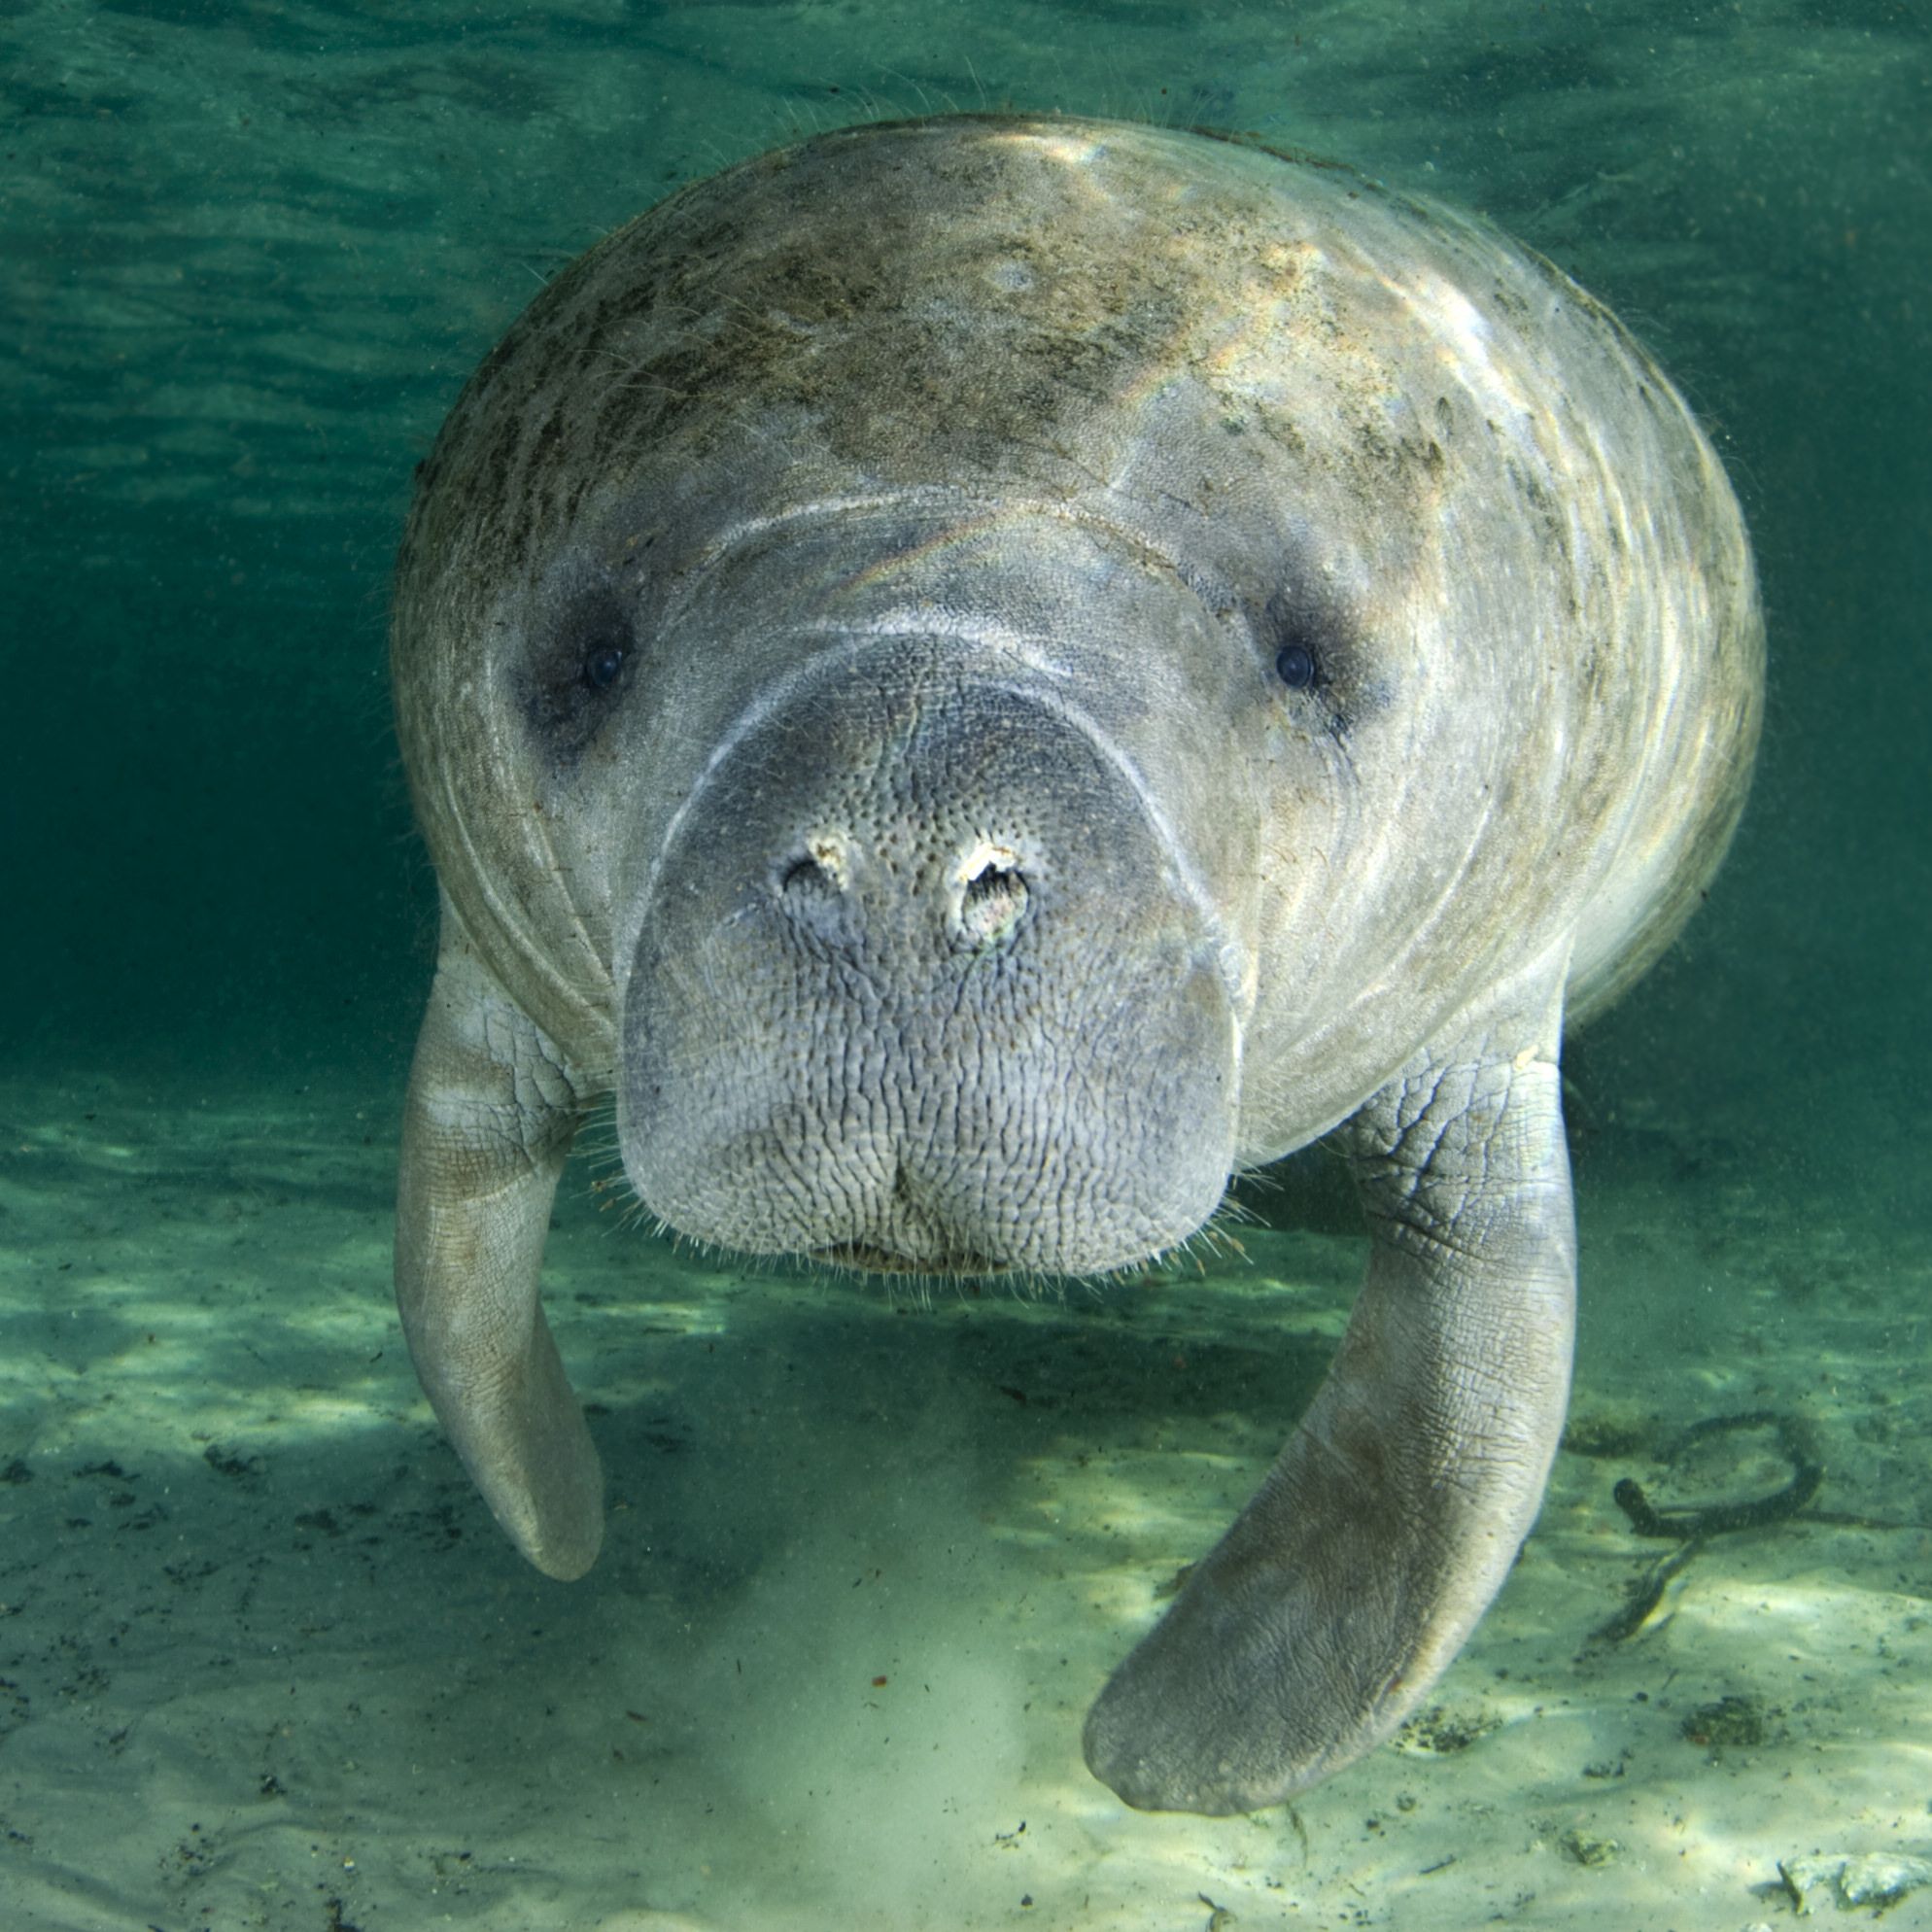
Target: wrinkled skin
983 675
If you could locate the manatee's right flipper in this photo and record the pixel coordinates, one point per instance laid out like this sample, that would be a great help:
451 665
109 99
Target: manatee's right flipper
490 1118
1392 1517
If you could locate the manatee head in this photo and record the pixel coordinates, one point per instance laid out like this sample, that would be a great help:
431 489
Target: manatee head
931 893
976 704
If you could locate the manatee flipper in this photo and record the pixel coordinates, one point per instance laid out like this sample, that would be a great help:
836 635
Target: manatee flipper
490 1118
1390 1520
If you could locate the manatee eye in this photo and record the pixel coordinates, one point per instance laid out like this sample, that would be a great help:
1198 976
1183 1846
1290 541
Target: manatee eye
577 677
601 664
1294 666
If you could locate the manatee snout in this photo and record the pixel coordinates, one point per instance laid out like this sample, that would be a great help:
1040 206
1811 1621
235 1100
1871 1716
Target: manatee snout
919 984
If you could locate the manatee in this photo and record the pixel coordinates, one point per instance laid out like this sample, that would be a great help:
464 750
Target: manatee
982 676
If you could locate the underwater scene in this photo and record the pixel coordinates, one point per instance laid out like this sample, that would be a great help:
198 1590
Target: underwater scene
777 1596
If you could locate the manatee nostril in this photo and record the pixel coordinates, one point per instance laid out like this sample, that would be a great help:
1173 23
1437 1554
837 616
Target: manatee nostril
819 872
993 902
807 878
814 890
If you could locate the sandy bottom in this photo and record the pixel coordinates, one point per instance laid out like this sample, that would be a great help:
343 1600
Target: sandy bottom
264 1660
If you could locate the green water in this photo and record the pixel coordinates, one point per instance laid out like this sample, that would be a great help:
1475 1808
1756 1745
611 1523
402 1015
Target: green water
264 1660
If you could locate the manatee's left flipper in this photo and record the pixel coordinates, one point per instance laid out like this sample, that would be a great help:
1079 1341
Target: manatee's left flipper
1392 1517
490 1118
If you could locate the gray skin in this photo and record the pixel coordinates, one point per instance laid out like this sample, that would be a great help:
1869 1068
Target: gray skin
982 676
